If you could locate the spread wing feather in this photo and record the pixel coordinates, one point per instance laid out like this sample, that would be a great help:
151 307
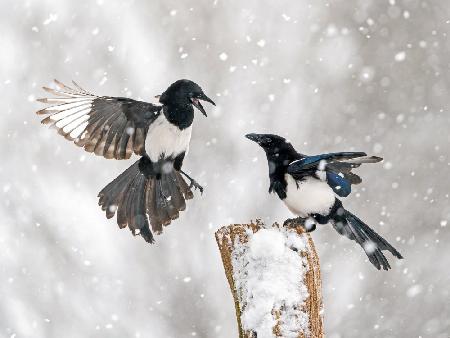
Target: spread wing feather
336 167
112 127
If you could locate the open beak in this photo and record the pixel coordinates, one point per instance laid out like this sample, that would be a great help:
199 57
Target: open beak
254 137
196 102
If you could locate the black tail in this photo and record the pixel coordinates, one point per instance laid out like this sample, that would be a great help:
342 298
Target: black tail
373 244
139 197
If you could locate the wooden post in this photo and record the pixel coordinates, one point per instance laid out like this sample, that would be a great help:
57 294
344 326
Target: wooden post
247 249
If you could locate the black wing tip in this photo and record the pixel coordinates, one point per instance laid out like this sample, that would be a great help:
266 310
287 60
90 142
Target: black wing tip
376 158
353 154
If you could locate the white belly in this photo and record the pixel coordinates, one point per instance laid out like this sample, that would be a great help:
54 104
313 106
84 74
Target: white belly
312 196
166 140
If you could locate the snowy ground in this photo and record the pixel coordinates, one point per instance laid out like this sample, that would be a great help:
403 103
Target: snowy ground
330 75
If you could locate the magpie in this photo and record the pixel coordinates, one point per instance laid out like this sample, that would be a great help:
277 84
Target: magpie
152 191
310 186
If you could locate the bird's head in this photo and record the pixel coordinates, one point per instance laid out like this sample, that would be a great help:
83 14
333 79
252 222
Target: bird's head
185 92
268 142
276 147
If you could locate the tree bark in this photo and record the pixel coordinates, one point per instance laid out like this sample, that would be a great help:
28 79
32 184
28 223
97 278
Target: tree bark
231 239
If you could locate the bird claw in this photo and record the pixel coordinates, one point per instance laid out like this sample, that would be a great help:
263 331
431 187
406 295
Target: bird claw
310 227
195 185
305 223
294 222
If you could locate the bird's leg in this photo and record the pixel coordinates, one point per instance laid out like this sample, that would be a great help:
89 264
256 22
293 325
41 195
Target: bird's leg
298 221
310 224
162 193
193 183
307 223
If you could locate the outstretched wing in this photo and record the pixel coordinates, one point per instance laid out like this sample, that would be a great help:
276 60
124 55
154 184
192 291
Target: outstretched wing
112 127
335 168
312 162
345 168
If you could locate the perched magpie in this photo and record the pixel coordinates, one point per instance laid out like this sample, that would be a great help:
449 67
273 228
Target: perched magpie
309 186
115 127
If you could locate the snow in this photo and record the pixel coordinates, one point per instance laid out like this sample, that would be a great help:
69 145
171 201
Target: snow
414 290
223 56
131 276
268 271
400 56
267 244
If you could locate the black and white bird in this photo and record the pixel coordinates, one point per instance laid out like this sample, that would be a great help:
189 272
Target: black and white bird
310 187
152 191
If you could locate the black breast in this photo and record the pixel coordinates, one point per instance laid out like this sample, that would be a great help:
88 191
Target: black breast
181 116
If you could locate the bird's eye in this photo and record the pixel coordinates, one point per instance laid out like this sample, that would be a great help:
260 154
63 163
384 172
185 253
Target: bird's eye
267 140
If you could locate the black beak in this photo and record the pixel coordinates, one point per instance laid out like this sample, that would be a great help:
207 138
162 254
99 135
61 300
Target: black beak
254 137
196 102
203 97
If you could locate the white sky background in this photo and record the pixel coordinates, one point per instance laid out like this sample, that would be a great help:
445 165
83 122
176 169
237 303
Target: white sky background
363 75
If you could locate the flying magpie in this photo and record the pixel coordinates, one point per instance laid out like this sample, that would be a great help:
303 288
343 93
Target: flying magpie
152 190
309 187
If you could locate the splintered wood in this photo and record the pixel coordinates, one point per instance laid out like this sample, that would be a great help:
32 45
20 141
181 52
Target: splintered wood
274 276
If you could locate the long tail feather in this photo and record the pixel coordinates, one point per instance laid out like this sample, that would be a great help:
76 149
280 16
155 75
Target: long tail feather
380 241
145 203
373 244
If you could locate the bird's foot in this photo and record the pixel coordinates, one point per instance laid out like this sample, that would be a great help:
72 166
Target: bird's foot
164 200
195 185
305 223
298 221
310 225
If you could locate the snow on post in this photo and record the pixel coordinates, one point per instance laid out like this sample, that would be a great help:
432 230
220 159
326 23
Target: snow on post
274 276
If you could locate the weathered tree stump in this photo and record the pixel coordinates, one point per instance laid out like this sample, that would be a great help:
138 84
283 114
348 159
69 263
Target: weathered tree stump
274 276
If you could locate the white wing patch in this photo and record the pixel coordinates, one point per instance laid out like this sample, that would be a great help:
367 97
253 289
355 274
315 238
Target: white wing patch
79 132
71 110
65 113
112 127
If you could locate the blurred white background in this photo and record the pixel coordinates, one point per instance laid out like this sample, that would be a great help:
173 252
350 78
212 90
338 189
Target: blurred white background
338 75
